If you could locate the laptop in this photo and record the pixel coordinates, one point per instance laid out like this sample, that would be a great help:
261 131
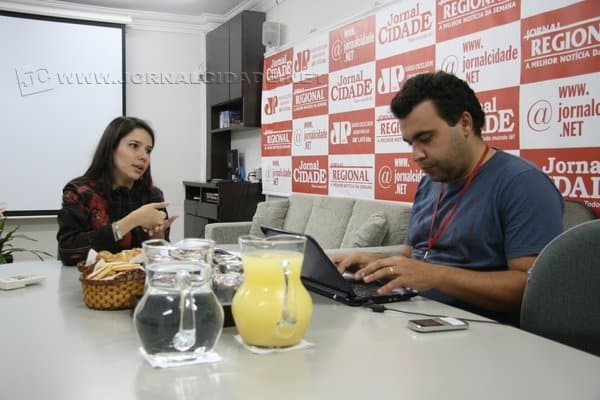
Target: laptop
320 275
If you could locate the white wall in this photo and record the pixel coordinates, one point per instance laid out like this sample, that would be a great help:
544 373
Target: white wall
175 111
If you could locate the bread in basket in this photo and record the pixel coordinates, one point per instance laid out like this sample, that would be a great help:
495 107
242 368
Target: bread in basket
110 284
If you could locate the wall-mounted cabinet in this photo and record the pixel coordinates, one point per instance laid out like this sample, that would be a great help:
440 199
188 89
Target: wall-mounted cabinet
234 59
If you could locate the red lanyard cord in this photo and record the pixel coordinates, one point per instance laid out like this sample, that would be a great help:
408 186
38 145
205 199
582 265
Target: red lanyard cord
433 238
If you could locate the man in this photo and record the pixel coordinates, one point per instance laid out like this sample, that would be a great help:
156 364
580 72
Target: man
480 215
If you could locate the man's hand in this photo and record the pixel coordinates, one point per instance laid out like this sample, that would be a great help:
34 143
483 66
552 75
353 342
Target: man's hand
345 261
400 271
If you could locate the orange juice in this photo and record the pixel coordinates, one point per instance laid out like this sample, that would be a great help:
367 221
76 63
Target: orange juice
258 305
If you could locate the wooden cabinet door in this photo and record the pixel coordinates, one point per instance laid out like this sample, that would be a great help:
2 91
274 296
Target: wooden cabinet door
235 56
217 65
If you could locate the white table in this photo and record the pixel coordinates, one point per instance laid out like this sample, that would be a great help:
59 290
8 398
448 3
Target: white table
53 347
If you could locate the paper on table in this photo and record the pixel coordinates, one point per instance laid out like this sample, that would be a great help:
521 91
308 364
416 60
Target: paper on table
205 358
265 350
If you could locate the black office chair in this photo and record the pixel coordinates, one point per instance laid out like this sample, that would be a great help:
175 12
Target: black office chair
575 213
562 295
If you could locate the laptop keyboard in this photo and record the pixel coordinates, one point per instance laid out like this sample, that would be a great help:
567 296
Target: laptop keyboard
364 289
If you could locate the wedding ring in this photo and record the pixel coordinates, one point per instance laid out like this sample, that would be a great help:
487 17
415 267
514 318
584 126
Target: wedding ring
391 270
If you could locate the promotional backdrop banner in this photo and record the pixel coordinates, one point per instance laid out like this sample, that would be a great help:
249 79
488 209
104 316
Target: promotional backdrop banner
535 66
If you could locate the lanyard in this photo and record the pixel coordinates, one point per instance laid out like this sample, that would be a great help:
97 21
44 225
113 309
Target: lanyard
433 238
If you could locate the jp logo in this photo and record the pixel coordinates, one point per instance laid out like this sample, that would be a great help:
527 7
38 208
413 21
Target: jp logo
390 79
271 105
302 60
340 132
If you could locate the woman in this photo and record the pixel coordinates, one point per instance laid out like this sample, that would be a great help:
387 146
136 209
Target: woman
114 205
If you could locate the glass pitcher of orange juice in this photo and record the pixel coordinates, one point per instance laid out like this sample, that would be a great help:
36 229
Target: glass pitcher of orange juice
272 308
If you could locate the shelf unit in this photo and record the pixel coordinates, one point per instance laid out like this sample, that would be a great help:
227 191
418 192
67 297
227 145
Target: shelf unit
234 57
218 202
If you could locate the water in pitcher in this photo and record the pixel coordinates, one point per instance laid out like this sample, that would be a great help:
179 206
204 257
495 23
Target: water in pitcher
158 323
179 317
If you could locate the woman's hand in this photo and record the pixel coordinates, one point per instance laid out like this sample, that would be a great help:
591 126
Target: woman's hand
159 230
150 217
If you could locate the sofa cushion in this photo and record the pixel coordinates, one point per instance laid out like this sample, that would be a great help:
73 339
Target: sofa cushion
396 214
298 212
269 213
369 234
328 220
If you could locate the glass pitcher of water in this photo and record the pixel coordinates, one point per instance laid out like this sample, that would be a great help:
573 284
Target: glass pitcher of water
179 318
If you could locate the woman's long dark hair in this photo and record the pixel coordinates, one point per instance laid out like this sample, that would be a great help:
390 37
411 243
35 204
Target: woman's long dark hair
103 161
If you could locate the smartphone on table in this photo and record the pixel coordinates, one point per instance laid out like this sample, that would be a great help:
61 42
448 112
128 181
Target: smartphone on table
437 324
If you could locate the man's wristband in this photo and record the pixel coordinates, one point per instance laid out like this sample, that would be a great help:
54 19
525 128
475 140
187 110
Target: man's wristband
116 231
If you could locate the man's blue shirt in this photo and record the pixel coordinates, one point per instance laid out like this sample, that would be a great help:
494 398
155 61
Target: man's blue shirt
512 209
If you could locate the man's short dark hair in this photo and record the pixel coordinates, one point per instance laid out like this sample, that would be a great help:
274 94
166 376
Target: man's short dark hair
450 95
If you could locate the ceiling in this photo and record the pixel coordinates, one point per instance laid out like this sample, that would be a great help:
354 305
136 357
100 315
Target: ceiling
181 7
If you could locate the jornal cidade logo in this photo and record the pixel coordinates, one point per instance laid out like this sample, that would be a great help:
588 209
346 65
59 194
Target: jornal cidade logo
450 64
385 176
298 137
337 50
539 116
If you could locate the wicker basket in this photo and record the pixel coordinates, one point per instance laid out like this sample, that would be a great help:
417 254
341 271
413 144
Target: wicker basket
115 294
